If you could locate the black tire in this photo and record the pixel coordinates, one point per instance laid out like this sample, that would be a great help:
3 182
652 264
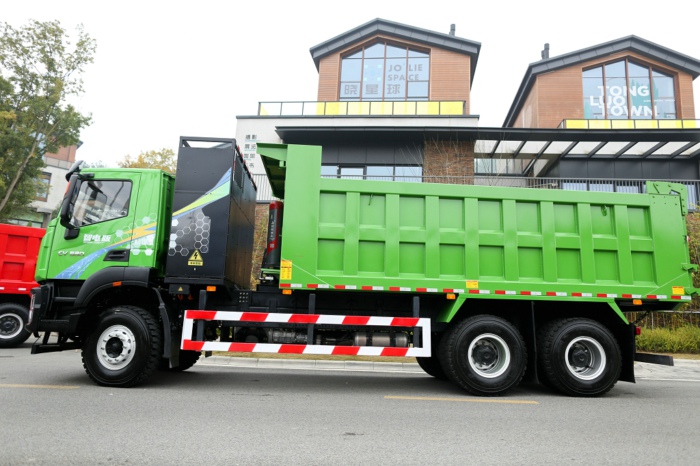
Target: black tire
187 360
124 348
13 325
485 355
431 365
578 357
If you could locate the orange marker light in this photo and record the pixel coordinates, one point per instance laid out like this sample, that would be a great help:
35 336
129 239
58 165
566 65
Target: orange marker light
637 302
117 284
211 288
451 296
286 291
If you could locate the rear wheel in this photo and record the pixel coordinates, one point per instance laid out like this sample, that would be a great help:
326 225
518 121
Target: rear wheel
13 331
579 357
484 354
124 349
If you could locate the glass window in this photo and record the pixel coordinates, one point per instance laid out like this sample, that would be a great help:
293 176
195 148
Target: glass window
352 172
99 201
628 90
412 174
329 171
385 72
42 193
409 173
393 51
380 173
352 70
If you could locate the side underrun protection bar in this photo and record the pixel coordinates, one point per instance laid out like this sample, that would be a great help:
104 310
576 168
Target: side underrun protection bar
421 330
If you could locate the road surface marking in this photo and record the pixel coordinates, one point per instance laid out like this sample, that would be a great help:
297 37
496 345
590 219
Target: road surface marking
467 400
56 387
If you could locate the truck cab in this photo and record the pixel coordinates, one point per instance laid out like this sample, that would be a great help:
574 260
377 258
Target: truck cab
109 241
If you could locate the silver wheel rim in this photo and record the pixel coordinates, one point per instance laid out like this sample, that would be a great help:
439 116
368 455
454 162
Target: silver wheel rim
585 358
116 347
10 325
489 355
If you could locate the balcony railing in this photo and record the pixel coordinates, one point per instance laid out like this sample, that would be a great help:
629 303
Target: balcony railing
379 108
630 124
629 186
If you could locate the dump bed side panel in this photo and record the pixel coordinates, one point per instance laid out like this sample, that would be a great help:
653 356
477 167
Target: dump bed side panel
342 234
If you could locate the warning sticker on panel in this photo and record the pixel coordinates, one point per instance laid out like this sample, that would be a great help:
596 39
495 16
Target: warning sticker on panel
286 270
472 284
678 290
196 259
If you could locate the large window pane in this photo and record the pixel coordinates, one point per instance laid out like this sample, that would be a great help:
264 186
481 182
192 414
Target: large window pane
418 69
372 79
593 94
628 93
616 97
384 73
395 79
375 51
395 52
417 90
350 91
351 70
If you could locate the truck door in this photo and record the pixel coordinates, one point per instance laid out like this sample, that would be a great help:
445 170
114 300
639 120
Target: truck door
101 223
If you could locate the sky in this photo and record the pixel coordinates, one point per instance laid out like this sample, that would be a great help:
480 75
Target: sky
165 69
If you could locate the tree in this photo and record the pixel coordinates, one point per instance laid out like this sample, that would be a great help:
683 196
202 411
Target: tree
39 72
163 159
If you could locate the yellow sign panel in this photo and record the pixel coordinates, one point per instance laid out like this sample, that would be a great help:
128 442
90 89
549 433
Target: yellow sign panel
196 259
678 290
286 270
473 284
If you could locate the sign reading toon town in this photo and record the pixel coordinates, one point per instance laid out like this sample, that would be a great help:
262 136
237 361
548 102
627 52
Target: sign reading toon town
615 98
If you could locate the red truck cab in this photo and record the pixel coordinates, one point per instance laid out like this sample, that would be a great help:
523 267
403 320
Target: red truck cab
19 248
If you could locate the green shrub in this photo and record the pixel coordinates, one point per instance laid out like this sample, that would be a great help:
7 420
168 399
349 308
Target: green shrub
684 339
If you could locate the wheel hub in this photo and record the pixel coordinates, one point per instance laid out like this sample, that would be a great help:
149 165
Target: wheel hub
485 354
585 358
116 347
580 357
489 355
10 325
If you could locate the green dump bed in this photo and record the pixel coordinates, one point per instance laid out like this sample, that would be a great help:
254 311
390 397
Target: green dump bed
440 238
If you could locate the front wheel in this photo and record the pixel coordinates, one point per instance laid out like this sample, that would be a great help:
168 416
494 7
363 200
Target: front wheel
579 357
124 349
485 355
13 331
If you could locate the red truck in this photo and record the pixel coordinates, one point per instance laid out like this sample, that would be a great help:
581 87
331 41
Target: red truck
19 248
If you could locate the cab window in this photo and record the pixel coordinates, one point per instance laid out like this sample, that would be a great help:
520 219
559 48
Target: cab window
101 200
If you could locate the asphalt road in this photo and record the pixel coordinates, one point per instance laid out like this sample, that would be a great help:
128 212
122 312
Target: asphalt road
263 412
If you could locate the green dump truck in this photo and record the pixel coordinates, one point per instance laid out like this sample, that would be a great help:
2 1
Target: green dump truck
484 286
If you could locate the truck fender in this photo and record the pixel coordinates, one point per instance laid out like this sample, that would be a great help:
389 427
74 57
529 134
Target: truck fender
109 278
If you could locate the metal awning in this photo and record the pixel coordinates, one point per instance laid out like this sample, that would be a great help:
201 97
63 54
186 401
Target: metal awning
523 143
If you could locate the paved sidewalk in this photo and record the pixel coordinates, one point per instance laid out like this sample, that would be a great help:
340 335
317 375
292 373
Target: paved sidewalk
683 369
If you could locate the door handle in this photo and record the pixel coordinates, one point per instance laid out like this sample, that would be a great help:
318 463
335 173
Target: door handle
117 255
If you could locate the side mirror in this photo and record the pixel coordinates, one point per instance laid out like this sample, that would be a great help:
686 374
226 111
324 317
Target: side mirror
68 204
